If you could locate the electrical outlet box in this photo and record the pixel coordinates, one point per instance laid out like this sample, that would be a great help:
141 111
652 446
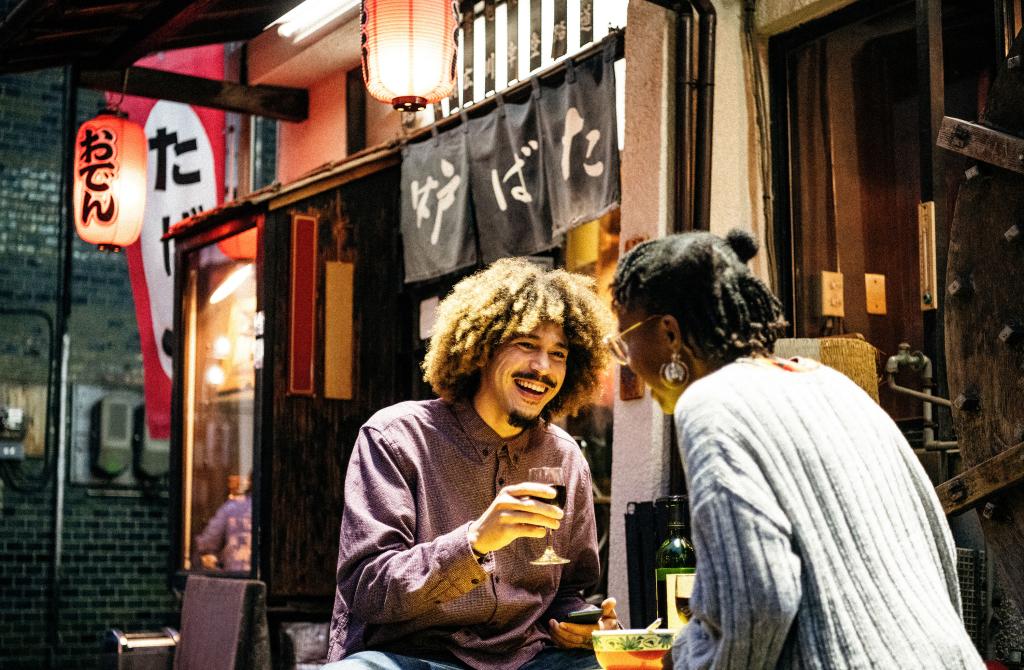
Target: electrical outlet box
832 294
874 289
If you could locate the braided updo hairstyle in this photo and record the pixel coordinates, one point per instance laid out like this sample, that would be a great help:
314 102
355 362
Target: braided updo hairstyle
704 282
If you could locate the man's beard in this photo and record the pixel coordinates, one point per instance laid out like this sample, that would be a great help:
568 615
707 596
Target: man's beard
517 420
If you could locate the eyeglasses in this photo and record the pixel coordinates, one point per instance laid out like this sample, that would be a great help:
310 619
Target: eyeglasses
617 343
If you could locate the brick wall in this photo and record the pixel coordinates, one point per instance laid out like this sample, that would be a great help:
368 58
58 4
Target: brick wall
114 562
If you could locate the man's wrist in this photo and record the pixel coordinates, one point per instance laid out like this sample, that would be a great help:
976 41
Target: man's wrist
471 538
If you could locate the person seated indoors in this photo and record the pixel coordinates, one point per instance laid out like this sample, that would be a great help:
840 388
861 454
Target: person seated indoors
441 520
226 541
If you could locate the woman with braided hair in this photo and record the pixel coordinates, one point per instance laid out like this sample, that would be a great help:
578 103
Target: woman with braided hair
820 541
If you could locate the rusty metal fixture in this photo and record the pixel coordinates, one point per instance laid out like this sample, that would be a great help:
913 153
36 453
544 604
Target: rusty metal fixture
989 511
968 401
1012 234
961 287
1011 332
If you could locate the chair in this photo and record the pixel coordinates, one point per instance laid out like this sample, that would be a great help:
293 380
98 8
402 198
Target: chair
223 625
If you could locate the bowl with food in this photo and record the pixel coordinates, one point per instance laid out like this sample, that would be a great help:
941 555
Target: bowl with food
632 648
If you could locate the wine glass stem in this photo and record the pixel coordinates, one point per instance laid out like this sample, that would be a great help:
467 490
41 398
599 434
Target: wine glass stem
550 548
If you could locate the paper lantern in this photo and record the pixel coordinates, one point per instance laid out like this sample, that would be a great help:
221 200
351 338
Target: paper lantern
110 181
240 247
409 50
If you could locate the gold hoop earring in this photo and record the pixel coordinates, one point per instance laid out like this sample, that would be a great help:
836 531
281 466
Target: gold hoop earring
675 373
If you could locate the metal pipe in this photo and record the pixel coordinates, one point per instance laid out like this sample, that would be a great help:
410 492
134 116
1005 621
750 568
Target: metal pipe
705 111
683 220
919 361
59 409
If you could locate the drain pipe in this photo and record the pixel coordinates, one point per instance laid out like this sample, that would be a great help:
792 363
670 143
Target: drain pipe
60 338
693 168
918 362
707 19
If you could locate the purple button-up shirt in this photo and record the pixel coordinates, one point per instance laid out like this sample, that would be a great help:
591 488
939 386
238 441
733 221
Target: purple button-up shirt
408 580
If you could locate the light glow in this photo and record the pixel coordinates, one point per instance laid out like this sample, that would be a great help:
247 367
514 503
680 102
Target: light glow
110 181
215 375
409 51
310 16
231 283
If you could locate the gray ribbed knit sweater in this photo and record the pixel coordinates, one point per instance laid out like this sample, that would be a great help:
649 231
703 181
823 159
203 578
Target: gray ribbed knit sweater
820 541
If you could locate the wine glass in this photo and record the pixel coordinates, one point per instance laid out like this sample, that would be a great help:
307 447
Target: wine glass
554 478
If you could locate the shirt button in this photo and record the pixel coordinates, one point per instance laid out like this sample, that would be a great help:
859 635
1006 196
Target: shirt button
486 452
437 602
501 482
475 581
497 580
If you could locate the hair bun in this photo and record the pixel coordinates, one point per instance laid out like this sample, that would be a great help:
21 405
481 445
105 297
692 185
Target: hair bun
742 243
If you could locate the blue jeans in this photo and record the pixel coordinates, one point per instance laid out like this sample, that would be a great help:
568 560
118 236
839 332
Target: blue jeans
550 658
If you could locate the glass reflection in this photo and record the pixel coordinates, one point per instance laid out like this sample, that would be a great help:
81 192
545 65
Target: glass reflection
220 305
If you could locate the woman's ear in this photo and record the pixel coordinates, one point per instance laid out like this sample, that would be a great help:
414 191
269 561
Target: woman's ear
669 328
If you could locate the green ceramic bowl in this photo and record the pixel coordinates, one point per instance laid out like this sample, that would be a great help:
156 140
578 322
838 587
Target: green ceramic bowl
632 649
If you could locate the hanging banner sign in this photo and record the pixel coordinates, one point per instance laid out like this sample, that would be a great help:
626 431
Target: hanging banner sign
532 170
185 177
438 235
580 140
507 182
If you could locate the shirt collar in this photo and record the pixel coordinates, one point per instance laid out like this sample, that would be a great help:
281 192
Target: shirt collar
482 439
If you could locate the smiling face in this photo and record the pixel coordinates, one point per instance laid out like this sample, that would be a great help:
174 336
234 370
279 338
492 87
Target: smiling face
522 376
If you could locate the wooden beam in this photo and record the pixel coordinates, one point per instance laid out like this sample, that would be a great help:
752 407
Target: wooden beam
983 480
275 102
167 20
982 143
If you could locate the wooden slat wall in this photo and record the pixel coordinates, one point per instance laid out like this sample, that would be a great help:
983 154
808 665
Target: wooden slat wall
307 441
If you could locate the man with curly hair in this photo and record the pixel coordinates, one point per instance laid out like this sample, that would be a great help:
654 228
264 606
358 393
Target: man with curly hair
440 522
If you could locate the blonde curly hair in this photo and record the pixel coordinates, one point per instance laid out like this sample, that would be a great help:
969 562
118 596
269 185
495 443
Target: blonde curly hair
510 298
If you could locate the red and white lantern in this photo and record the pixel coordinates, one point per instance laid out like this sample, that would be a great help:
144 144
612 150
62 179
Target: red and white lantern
409 50
110 181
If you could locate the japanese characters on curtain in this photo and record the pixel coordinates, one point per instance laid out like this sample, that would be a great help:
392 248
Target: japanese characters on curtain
580 141
507 182
438 235
529 171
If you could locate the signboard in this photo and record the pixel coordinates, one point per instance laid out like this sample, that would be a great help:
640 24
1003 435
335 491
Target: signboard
185 177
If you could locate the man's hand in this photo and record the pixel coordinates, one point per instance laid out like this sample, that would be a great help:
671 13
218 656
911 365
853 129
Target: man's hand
577 635
513 515
209 561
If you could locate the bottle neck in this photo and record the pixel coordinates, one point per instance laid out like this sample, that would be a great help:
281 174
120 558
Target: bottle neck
677 530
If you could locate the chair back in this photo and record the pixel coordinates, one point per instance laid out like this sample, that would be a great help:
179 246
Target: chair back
223 625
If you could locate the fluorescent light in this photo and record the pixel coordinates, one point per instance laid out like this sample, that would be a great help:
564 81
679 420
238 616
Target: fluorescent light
231 284
311 16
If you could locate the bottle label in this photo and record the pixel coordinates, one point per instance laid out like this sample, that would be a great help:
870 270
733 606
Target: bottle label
674 587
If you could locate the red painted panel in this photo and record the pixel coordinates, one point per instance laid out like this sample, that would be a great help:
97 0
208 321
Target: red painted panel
302 332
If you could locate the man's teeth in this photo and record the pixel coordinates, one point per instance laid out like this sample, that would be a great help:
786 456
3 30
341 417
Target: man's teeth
532 386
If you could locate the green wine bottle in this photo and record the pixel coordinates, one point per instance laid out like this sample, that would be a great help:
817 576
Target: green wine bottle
675 565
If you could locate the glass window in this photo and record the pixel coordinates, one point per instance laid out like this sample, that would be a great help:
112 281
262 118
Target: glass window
220 304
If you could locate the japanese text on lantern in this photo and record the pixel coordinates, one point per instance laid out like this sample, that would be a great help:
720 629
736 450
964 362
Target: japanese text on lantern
99 166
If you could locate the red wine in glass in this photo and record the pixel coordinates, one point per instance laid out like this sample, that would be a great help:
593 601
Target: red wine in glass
554 478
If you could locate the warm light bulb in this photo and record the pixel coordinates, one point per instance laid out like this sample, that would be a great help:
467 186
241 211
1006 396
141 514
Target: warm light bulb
221 347
215 375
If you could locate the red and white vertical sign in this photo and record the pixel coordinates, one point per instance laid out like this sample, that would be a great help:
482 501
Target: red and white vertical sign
186 176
